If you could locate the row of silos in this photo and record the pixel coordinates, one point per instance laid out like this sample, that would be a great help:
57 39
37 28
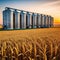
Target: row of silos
19 19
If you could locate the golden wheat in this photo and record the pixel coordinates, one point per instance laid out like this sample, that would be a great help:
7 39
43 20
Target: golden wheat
34 44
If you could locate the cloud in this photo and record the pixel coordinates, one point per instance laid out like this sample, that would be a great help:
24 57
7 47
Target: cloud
57 3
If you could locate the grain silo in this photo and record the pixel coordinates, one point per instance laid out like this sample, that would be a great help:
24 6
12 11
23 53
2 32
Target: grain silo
22 20
41 22
51 22
34 20
38 21
28 20
44 20
8 19
16 19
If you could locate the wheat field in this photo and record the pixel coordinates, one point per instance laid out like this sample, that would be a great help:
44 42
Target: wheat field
33 44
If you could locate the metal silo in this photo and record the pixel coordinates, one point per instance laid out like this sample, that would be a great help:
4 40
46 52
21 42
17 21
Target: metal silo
38 21
51 22
4 19
28 20
8 19
22 20
41 20
47 21
34 20
16 20
44 20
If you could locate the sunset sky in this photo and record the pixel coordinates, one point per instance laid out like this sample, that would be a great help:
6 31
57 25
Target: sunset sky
50 7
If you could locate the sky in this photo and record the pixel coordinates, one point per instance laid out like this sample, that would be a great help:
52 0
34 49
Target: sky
48 7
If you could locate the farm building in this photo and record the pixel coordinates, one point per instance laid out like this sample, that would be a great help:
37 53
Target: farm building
20 19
